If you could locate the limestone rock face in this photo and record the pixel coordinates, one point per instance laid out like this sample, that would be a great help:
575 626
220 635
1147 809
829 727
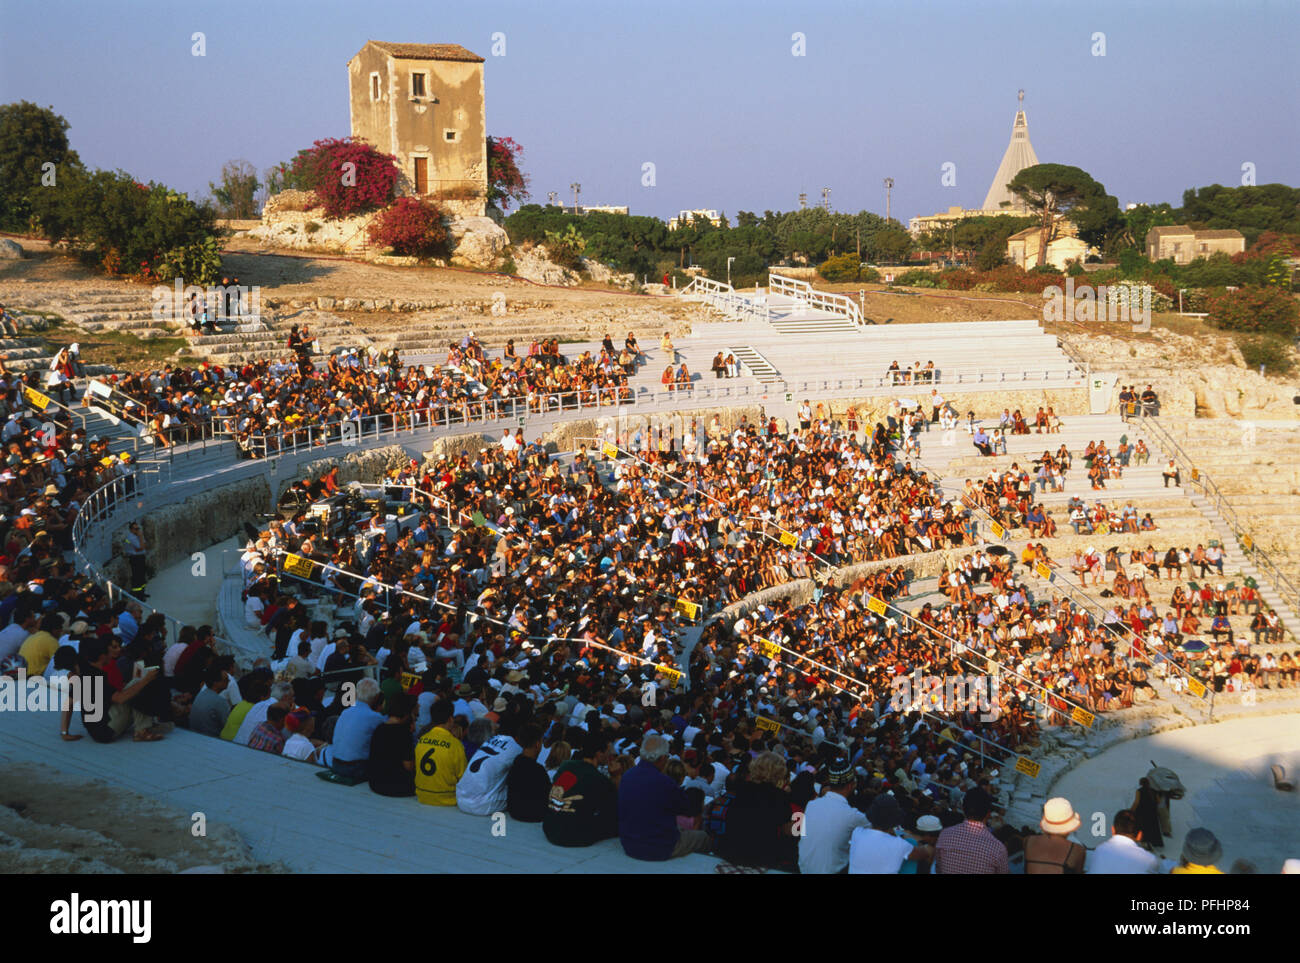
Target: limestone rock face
477 242
310 230
10 250
534 265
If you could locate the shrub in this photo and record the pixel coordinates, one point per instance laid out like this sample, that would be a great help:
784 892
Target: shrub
1263 309
915 279
841 267
130 228
370 183
565 247
198 262
1269 350
412 228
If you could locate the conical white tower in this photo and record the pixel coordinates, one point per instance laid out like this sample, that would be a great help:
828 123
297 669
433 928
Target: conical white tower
1019 155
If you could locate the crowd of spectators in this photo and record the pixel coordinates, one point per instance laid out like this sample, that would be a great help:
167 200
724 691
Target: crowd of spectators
528 661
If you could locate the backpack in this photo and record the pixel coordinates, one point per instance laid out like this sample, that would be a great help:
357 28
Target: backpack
715 814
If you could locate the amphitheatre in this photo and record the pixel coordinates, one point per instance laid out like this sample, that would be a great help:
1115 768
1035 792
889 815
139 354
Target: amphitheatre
1232 432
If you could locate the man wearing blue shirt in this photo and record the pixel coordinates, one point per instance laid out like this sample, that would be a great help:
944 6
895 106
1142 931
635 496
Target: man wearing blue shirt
349 753
648 806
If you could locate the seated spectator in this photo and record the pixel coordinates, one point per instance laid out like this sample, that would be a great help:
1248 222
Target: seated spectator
300 724
969 847
829 822
1201 850
392 757
1053 852
440 757
876 849
256 690
348 754
1122 853
582 808
760 827
648 805
528 786
268 735
211 708
106 722
481 791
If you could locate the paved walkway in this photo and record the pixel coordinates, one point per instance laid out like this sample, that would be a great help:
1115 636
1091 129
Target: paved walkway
285 813
1225 768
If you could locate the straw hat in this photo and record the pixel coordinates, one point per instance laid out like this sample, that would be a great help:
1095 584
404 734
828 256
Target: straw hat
1059 817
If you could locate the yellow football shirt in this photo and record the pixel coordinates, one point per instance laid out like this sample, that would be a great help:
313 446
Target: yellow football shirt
439 764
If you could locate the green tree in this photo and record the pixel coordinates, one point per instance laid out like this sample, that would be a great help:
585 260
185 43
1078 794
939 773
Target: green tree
1251 210
1055 191
30 138
236 195
891 246
992 255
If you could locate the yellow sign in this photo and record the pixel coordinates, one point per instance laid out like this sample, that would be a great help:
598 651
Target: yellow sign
35 398
297 565
1103 529
788 538
409 681
1028 767
1247 542
997 530
875 605
1196 687
770 725
609 450
1043 571
1196 474
1082 716
672 675
769 648
687 608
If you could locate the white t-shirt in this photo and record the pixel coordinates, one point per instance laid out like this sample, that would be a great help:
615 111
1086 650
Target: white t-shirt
482 790
871 851
299 747
256 716
253 612
829 823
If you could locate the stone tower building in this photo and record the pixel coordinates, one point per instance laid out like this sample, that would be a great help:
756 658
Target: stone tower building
424 104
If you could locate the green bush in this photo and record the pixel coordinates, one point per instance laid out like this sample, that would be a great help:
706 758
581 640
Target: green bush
126 227
1273 352
916 279
841 267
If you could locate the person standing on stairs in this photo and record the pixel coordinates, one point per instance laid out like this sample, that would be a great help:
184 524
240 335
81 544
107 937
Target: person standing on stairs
136 548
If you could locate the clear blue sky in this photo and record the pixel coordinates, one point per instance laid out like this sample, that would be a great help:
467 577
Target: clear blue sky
707 90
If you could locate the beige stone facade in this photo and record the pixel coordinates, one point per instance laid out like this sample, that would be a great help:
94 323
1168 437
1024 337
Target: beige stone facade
1184 245
1022 248
424 104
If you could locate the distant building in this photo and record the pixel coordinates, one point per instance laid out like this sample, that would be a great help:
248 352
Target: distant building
1022 247
592 208
686 217
998 201
1183 244
424 104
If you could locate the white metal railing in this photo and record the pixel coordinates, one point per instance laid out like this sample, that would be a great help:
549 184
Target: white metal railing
805 293
724 298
